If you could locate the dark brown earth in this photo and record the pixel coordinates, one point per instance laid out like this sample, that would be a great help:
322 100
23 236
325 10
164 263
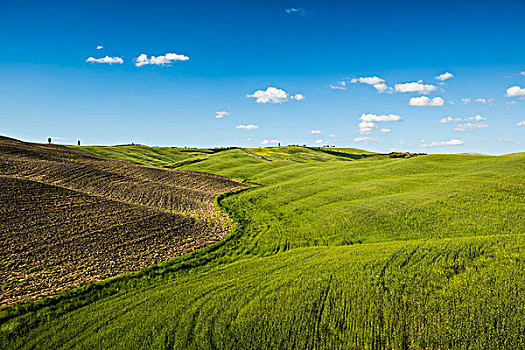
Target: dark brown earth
68 218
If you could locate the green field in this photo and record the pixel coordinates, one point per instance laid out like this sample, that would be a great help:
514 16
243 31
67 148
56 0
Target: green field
328 251
158 156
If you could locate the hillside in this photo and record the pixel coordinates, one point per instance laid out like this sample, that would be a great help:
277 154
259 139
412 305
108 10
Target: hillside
168 157
70 218
426 252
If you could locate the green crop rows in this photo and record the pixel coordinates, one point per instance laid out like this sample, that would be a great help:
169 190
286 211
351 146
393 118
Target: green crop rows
420 253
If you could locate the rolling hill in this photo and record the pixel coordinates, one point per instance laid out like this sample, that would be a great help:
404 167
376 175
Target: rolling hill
330 253
70 218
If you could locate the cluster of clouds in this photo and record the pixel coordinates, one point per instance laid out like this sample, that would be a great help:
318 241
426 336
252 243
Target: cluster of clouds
141 60
478 100
274 95
468 126
368 122
411 87
166 59
221 114
321 141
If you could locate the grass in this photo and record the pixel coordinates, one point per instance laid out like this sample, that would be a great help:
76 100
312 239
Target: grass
156 156
417 253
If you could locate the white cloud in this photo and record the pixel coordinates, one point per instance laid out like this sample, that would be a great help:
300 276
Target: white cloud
424 101
247 127
57 138
269 142
167 59
523 73
369 80
295 11
382 87
106 59
470 126
465 100
484 100
402 142
452 142
449 119
445 76
274 95
319 142
477 118
376 82
333 135
522 123
315 131
379 118
338 86
415 87
385 130
100 47
516 91
366 128
221 114
365 139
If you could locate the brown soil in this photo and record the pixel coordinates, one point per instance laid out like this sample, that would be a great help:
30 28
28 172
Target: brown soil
69 218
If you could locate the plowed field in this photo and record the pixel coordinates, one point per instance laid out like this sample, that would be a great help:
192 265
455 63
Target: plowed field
69 218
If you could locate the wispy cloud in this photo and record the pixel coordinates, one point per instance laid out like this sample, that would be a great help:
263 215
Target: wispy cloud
366 128
333 135
449 119
270 142
485 100
452 142
424 101
338 86
365 139
100 47
386 130
221 114
274 95
315 131
166 59
465 100
509 140
369 117
107 59
470 126
295 11
247 127
319 142
522 123
477 118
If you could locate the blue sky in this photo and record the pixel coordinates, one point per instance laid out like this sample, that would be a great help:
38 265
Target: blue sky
331 66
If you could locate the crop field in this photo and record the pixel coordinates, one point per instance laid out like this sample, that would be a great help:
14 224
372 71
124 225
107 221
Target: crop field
69 218
327 251
157 156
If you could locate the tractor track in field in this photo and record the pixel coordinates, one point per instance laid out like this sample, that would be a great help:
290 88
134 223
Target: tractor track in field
69 218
